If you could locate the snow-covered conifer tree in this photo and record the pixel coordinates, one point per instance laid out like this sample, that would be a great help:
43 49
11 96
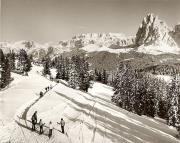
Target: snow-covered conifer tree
104 77
46 69
73 77
173 103
2 58
24 63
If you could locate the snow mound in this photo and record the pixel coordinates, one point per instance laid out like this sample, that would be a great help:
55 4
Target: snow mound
157 49
95 48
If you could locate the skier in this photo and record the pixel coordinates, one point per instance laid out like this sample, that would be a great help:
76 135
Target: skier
41 94
50 129
34 120
41 124
62 123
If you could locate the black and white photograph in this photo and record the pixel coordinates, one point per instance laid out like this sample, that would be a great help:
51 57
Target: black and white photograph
89 71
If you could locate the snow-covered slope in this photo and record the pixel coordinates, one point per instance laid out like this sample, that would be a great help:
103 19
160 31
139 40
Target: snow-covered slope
95 48
158 48
21 90
90 118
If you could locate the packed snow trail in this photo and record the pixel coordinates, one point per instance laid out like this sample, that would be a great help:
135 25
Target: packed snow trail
21 90
90 118
20 116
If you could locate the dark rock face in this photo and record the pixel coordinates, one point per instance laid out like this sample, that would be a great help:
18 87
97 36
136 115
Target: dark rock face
153 30
176 34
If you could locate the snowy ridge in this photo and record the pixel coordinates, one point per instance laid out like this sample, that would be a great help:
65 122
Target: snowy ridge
153 37
105 39
79 41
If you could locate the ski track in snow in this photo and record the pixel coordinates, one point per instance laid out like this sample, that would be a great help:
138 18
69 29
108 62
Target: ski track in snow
90 118
24 117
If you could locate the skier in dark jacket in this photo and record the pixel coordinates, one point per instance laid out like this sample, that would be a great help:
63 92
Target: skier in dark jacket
62 123
34 120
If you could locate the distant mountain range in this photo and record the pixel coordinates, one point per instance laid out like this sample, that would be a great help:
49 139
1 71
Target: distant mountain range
153 40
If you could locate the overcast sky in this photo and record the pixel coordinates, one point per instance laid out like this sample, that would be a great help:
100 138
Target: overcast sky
55 20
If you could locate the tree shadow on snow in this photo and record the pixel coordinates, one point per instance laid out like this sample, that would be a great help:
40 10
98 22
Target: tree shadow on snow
122 126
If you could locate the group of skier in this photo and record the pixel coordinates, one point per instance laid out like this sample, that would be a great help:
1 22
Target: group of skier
41 124
48 88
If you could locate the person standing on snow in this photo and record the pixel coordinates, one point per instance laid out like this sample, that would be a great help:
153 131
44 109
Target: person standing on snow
62 123
34 120
41 124
50 129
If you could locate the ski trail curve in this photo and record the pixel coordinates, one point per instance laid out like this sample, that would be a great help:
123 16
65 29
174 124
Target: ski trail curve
23 115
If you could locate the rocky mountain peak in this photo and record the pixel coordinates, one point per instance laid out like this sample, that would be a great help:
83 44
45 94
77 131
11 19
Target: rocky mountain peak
153 31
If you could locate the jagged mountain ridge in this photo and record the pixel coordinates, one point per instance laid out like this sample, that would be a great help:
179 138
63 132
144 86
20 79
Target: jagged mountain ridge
98 40
153 38
154 30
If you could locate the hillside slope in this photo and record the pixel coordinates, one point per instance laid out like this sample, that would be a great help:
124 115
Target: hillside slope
90 118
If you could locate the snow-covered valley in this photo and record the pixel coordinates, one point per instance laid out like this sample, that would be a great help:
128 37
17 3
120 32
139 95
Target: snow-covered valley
90 117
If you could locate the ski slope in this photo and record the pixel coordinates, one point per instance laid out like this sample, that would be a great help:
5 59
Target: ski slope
21 90
90 117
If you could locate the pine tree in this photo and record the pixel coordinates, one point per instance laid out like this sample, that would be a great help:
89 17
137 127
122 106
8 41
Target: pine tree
140 93
99 76
11 57
124 86
104 77
2 64
46 69
173 103
150 98
24 63
161 103
73 77
58 65
59 73
84 77
96 75
78 73
84 81
67 68
162 109
7 71
61 68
